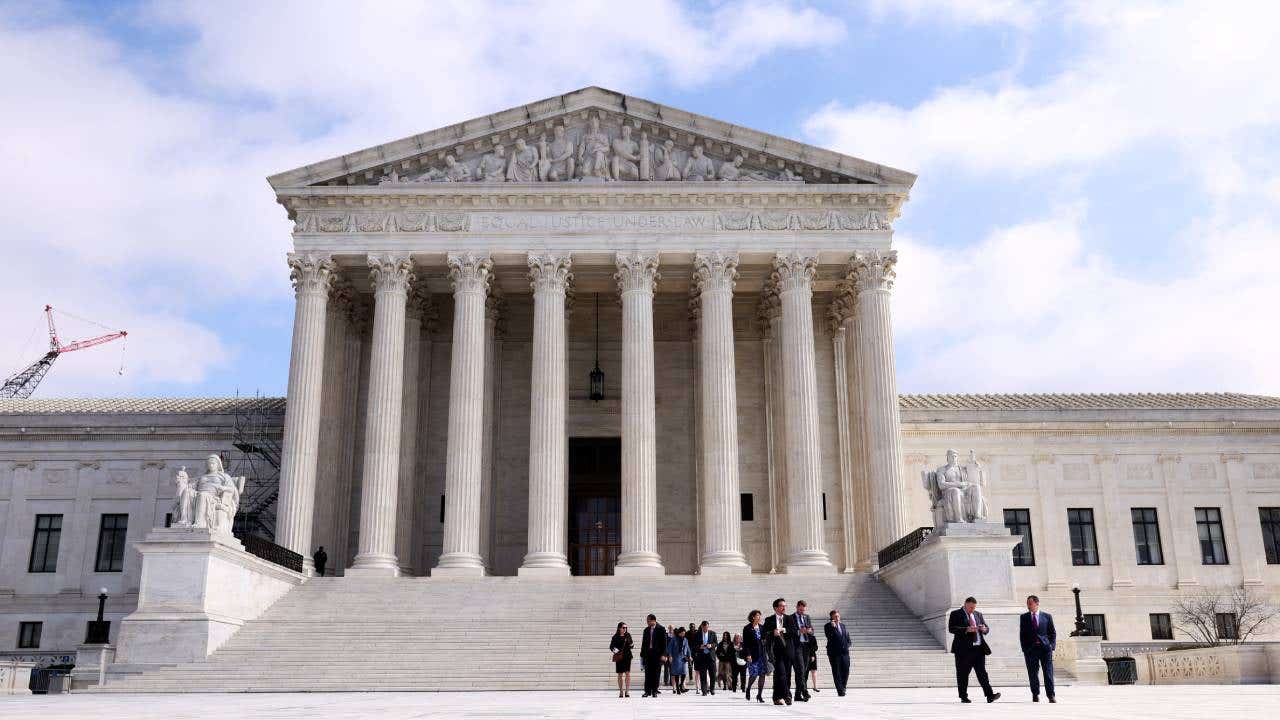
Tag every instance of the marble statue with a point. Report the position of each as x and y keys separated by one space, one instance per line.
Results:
x=391 y=178
x=733 y=171
x=523 y=166
x=455 y=171
x=217 y=497
x=184 y=499
x=557 y=160
x=593 y=153
x=646 y=157
x=493 y=166
x=625 y=164
x=699 y=166
x=789 y=176
x=665 y=159
x=955 y=491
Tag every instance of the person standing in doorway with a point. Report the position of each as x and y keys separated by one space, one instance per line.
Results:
x=837 y=651
x=1038 y=638
x=653 y=653
x=320 y=558
x=969 y=645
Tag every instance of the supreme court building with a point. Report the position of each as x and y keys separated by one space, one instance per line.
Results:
x=594 y=335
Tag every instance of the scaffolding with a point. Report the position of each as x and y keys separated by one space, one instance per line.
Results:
x=257 y=434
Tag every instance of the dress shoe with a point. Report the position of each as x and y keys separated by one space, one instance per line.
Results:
x=1053 y=699
x=1035 y=698
x=993 y=697
x=839 y=694
x=965 y=700
x=788 y=700
x=779 y=702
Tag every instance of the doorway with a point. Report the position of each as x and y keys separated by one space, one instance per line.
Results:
x=595 y=504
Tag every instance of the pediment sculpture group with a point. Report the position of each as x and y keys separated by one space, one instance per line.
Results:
x=595 y=157
x=955 y=490
x=211 y=501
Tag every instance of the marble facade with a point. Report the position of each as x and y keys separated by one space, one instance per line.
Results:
x=445 y=324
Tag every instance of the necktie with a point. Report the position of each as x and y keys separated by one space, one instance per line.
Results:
x=1035 y=620
x=973 y=623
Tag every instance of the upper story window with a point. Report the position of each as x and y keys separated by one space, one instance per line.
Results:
x=111 y=543
x=1018 y=520
x=1270 y=517
x=1146 y=536
x=44 y=544
x=1084 y=538
x=1213 y=544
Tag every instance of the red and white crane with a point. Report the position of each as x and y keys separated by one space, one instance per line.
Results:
x=22 y=383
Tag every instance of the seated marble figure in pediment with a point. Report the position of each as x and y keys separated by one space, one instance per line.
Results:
x=594 y=150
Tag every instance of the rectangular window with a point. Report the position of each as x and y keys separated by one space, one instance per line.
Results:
x=44 y=546
x=1213 y=546
x=824 y=507
x=441 y=509
x=748 y=507
x=111 y=534
x=1161 y=626
x=1227 y=626
x=1270 y=517
x=1018 y=520
x=1084 y=539
x=1097 y=625
x=29 y=635
x=1146 y=536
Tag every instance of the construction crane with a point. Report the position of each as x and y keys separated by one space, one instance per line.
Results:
x=22 y=383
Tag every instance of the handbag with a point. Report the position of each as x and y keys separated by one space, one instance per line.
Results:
x=740 y=661
x=617 y=657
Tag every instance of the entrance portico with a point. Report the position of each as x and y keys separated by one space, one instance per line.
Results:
x=733 y=304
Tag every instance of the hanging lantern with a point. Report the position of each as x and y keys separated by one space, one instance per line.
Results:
x=597 y=375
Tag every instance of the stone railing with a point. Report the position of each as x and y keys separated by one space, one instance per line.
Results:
x=903 y=546
x=1247 y=664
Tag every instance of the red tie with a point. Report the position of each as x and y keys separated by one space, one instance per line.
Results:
x=1035 y=620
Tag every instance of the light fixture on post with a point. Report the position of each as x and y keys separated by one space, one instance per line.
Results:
x=1082 y=628
x=597 y=375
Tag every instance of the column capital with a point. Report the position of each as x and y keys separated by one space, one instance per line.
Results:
x=469 y=272
x=840 y=312
x=419 y=305
x=794 y=271
x=550 y=272
x=390 y=272
x=310 y=273
x=873 y=270
x=769 y=310
x=715 y=270
x=695 y=312
x=341 y=293
x=637 y=272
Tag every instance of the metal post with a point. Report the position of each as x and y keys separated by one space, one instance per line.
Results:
x=1081 y=630
x=102 y=603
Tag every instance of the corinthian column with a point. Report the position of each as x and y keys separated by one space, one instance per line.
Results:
x=470 y=274
x=872 y=273
x=793 y=274
x=391 y=275
x=418 y=301
x=548 y=444
x=311 y=276
x=714 y=275
x=637 y=276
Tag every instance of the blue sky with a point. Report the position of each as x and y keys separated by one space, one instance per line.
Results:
x=1096 y=209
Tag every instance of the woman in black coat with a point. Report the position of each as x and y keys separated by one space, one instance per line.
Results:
x=620 y=645
x=753 y=649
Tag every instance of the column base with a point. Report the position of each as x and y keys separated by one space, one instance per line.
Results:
x=375 y=565
x=808 y=562
x=459 y=565
x=543 y=571
x=724 y=562
x=639 y=565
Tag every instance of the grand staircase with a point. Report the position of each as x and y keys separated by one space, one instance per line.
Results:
x=344 y=634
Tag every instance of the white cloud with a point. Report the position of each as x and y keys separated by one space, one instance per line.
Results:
x=134 y=185
x=1028 y=309
x=1018 y=13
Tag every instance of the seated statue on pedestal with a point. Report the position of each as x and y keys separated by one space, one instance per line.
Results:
x=212 y=503
x=955 y=491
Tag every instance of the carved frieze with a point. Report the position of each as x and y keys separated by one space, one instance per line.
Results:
x=328 y=222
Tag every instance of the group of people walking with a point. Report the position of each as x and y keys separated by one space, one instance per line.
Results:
x=784 y=646
x=1036 y=635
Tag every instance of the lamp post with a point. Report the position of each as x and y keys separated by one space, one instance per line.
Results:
x=597 y=375
x=99 y=631
x=1081 y=630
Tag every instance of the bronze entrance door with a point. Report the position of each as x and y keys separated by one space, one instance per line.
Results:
x=595 y=505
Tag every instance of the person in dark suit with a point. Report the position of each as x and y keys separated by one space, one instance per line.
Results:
x=1038 y=637
x=321 y=559
x=703 y=645
x=806 y=648
x=620 y=645
x=653 y=653
x=837 y=651
x=781 y=632
x=969 y=645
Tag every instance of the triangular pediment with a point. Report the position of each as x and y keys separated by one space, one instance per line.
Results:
x=591 y=135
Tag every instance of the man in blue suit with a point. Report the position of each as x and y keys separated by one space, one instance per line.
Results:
x=1038 y=638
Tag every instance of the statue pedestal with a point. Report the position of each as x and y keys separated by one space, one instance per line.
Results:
x=198 y=588
x=957 y=561
x=92 y=660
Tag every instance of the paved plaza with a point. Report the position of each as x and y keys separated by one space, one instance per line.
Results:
x=1102 y=703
